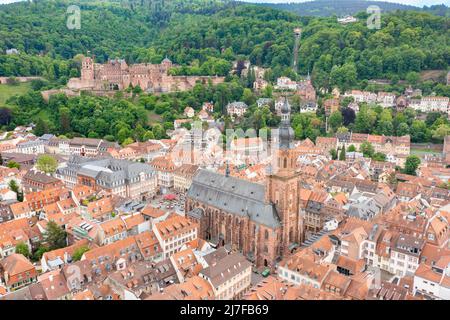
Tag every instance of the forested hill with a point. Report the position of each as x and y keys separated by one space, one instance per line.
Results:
x=325 y=8
x=205 y=36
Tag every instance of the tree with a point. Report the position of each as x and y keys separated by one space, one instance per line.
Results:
x=402 y=129
x=342 y=130
x=13 y=186
x=22 y=248
x=348 y=115
x=379 y=156
x=39 y=252
x=41 y=127
x=47 y=163
x=441 y=132
x=54 y=236
x=333 y=154
x=127 y=141
x=336 y=120
x=411 y=165
x=367 y=149
x=5 y=116
x=78 y=253
x=412 y=78
x=351 y=148
x=64 y=120
x=13 y=164
x=342 y=154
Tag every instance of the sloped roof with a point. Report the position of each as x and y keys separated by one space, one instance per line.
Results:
x=237 y=196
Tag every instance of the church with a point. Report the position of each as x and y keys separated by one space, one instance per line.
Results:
x=261 y=221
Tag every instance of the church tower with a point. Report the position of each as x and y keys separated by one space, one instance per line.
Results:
x=282 y=185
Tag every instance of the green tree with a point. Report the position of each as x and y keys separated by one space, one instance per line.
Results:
x=441 y=132
x=78 y=253
x=13 y=164
x=22 y=248
x=351 y=148
x=411 y=165
x=342 y=154
x=367 y=149
x=335 y=120
x=47 y=163
x=54 y=236
x=333 y=154
x=379 y=156
x=37 y=255
x=13 y=186
x=41 y=127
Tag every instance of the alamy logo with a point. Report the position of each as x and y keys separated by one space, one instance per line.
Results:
x=74 y=18
x=374 y=20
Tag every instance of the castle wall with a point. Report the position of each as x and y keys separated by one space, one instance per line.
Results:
x=118 y=75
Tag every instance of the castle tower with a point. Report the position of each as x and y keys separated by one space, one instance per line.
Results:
x=297 y=35
x=87 y=68
x=282 y=185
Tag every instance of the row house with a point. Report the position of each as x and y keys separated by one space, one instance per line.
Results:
x=174 y=232
x=31 y=147
x=194 y=288
x=362 y=96
x=300 y=270
x=393 y=252
x=433 y=103
x=89 y=147
x=433 y=281
x=236 y=109
x=228 y=274
x=118 y=177
x=34 y=181
x=285 y=83
x=39 y=199
x=164 y=168
x=386 y=99
x=182 y=177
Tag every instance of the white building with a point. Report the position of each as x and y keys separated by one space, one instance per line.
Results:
x=236 y=108
x=285 y=83
x=433 y=281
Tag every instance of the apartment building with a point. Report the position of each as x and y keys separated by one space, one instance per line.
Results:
x=174 y=232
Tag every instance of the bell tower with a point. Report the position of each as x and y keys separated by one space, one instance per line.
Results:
x=282 y=183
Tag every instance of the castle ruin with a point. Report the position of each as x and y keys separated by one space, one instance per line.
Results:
x=118 y=75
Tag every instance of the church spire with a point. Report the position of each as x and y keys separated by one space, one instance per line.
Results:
x=286 y=133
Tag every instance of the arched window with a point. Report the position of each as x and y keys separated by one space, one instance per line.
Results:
x=266 y=235
x=285 y=163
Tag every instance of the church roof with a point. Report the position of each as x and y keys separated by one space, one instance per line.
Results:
x=237 y=196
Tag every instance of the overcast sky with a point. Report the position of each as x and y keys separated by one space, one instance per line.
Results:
x=419 y=3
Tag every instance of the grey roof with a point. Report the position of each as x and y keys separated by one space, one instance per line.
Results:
x=106 y=171
x=226 y=268
x=46 y=137
x=196 y=213
x=237 y=196
x=238 y=104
